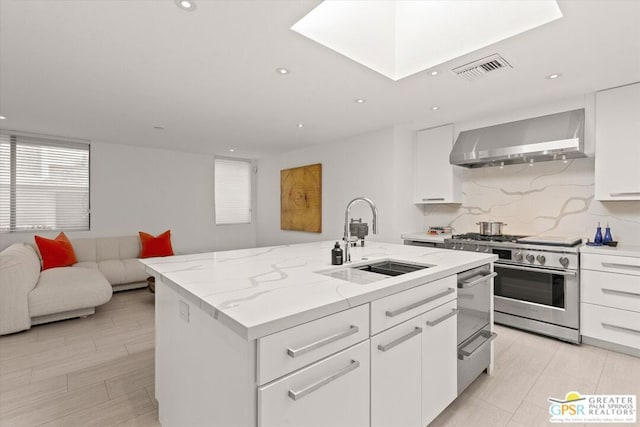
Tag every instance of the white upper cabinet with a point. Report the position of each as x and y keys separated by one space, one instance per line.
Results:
x=435 y=179
x=617 y=172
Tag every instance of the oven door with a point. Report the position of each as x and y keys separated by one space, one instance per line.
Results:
x=538 y=293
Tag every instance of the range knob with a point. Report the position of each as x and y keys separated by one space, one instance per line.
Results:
x=541 y=259
x=461 y=247
x=517 y=256
x=486 y=249
x=530 y=257
x=454 y=247
x=564 y=261
x=478 y=248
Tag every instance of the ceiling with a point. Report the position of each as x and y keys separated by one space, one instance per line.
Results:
x=113 y=70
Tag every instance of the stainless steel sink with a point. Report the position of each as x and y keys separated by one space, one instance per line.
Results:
x=369 y=273
x=391 y=268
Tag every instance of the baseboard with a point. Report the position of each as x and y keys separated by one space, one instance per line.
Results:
x=129 y=286
x=611 y=346
x=62 y=316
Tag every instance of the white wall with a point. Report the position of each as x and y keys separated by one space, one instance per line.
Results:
x=375 y=165
x=142 y=189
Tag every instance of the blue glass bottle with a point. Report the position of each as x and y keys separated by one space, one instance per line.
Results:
x=607 y=235
x=598 y=238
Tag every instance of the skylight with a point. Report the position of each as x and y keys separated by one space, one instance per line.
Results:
x=402 y=37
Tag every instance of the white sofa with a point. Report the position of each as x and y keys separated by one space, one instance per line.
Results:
x=29 y=296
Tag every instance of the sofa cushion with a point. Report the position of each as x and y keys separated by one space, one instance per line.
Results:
x=155 y=246
x=115 y=257
x=106 y=248
x=85 y=249
x=20 y=263
x=134 y=271
x=56 y=252
x=68 y=288
x=19 y=272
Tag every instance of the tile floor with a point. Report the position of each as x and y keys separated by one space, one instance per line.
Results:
x=99 y=371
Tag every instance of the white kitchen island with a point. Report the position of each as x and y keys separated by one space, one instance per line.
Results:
x=274 y=337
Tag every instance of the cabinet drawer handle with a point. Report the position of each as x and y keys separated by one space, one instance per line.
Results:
x=629 y=193
x=389 y=346
x=617 y=292
x=620 y=328
x=443 y=318
x=324 y=341
x=394 y=313
x=488 y=337
x=617 y=265
x=295 y=395
x=430 y=199
x=469 y=283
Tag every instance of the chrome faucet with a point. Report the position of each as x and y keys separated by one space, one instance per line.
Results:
x=347 y=229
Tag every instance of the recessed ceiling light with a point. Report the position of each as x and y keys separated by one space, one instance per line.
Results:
x=434 y=108
x=158 y=128
x=186 y=4
x=359 y=101
x=282 y=70
x=434 y=73
x=3 y=118
x=231 y=150
x=553 y=76
x=300 y=125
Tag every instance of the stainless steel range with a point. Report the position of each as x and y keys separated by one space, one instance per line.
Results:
x=537 y=287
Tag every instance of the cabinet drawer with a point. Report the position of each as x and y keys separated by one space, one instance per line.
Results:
x=611 y=290
x=396 y=308
x=611 y=324
x=611 y=263
x=293 y=348
x=333 y=392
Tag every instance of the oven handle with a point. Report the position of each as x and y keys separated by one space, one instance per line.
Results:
x=471 y=283
x=537 y=270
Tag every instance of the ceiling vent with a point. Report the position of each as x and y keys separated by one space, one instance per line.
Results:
x=479 y=68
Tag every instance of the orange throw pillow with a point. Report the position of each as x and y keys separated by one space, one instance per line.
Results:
x=56 y=252
x=155 y=246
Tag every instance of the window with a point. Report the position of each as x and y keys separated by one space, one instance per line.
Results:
x=44 y=184
x=232 y=191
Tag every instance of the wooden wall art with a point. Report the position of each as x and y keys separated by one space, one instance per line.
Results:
x=301 y=198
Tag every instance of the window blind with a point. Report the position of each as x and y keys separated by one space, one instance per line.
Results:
x=232 y=191
x=44 y=184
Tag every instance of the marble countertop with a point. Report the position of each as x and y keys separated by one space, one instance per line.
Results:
x=259 y=291
x=424 y=237
x=620 y=250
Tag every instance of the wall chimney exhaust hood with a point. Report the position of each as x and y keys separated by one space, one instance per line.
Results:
x=554 y=137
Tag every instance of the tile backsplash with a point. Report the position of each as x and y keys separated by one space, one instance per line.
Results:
x=548 y=198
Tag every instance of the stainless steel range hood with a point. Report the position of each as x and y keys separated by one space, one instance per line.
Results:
x=553 y=137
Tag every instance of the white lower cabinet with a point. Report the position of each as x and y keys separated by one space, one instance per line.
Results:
x=333 y=392
x=396 y=366
x=610 y=301
x=439 y=360
x=414 y=369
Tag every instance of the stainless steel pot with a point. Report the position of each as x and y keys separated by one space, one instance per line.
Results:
x=489 y=228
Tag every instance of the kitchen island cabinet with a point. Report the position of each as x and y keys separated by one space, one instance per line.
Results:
x=264 y=337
